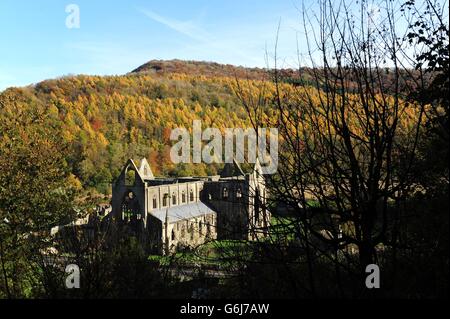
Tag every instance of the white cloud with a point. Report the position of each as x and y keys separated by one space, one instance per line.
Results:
x=187 y=28
x=232 y=47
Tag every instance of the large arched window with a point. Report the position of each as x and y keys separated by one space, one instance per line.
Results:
x=183 y=197
x=191 y=195
x=130 y=206
x=130 y=177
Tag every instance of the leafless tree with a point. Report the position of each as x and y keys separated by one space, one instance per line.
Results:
x=348 y=133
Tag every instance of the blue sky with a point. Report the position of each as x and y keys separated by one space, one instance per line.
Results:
x=117 y=36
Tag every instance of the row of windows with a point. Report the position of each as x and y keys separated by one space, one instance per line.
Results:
x=174 y=197
x=226 y=193
x=190 y=229
x=186 y=223
x=165 y=201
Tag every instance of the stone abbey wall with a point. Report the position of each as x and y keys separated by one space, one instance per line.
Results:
x=186 y=212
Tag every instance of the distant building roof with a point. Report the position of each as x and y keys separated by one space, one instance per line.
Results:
x=159 y=181
x=177 y=213
x=171 y=181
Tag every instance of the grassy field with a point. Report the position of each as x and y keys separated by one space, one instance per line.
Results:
x=220 y=253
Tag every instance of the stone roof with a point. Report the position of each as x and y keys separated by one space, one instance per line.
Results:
x=182 y=212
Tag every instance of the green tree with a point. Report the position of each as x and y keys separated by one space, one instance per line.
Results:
x=35 y=192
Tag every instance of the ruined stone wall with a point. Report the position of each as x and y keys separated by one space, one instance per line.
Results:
x=259 y=215
x=174 y=194
x=121 y=188
x=239 y=203
x=190 y=233
x=230 y=200
x=155 y=235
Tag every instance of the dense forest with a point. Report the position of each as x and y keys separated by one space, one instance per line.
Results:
x=106 y=120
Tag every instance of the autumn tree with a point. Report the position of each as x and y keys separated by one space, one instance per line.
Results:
x=36 y=190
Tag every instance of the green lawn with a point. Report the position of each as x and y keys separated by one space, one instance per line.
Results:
x=220 y=253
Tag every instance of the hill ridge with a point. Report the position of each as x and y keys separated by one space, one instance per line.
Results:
x=205 y=68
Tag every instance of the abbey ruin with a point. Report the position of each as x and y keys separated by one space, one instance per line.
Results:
x=170 y=213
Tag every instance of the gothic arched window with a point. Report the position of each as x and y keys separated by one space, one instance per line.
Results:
x=165 y=198
x=191 y=231
x=130 y=177
x=174 y=198
x=155 y=202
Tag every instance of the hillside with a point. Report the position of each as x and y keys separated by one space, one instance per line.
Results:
x=208 y=69
x=213 y=69
x=105 y=120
